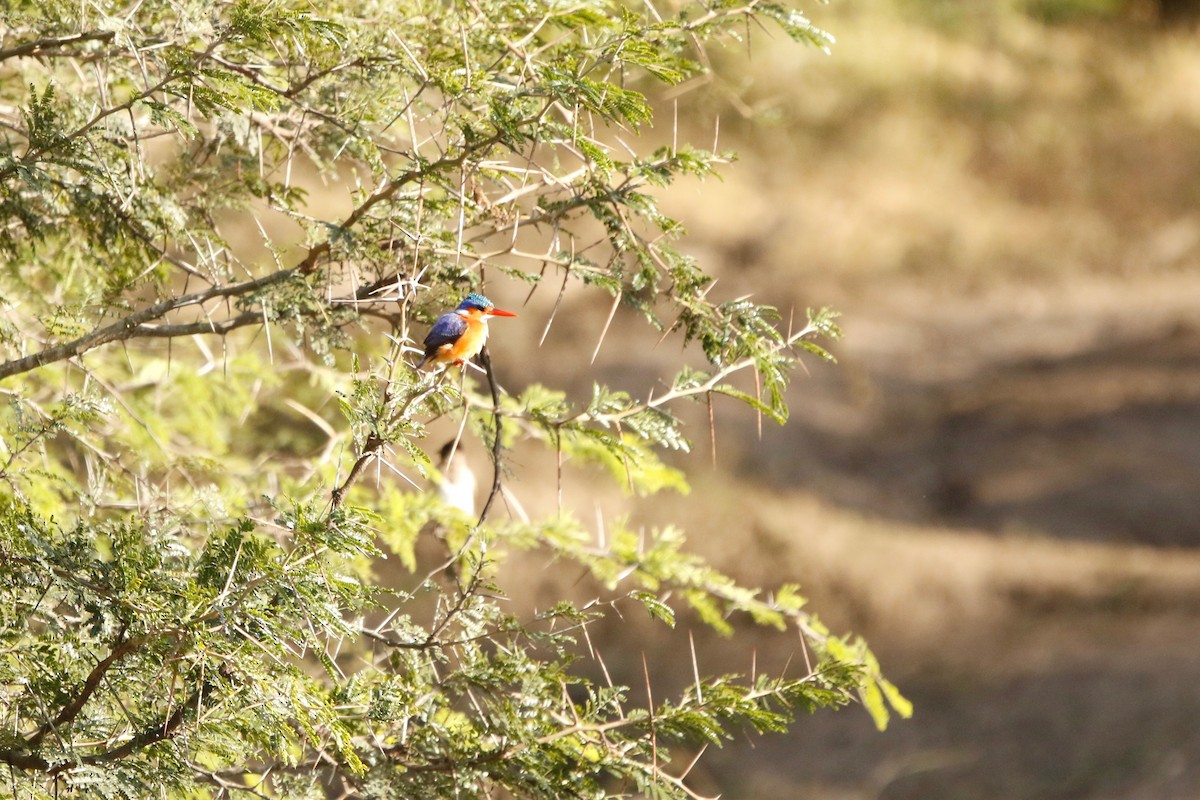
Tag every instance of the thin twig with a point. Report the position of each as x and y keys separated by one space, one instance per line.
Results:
x=497 y=444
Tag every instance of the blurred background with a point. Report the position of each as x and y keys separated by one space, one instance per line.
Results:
x=999 y=484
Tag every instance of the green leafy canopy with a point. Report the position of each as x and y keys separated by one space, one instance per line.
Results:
x=223 y=228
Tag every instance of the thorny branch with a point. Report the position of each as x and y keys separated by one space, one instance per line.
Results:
x=28 y=757
x=376 y=440
x=70 y=711
x=712 y=384
x=134 y=325
x=497 y=442
x=41 y=46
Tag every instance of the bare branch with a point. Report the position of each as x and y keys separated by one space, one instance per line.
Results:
x=497 y=444
x=40 y=46
x=70 y=711
x=133 y=324
x=703 y=388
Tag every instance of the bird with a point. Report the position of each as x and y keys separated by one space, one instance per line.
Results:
x=459 y=335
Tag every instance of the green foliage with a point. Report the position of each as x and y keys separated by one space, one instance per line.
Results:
x=212 y=440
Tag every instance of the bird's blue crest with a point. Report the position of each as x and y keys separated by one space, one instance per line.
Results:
x=476 y=300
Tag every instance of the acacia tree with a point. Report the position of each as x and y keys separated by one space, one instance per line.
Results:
x=187 y=542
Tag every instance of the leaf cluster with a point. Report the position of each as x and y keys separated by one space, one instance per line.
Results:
x=211 y=446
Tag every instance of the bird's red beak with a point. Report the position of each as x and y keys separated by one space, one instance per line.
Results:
x=496 y=312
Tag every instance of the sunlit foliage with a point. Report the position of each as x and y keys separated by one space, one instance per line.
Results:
x=187 y=546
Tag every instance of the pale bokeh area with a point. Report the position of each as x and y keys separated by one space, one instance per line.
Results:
x=999 y=484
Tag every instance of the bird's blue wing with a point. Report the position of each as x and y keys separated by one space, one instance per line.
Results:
x=446 y=330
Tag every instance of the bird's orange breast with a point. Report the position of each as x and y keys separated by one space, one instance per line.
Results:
x=468 y=345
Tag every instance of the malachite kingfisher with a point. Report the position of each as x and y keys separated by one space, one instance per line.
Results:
x=458 y=336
